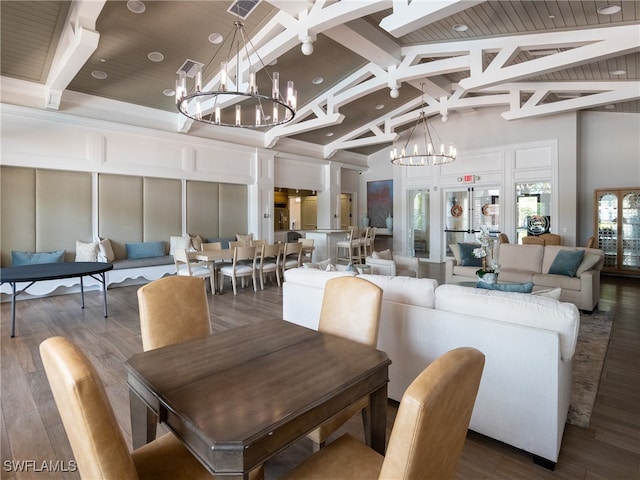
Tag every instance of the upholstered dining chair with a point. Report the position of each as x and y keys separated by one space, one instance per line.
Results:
x=591 y=242
x=97 y=442
x=350 y=309
x=172 y=310
x=269 y=262
x=242 y=266
x=532 y=240
x=503 y=238
x=291 y=256
x=428 y=434
x=188 y=266
x=551 y=239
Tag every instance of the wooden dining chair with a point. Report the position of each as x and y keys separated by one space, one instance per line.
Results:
x=350 y=309
x=349 y=250
x=172 y=310
x=97 y=442
x=291 y=256
x=269 y=262
x=187 y=265
x=591 y=242
x=428 y=433
x=242 y=266
x=307 y=249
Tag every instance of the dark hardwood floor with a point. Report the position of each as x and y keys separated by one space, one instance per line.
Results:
x=32 y=432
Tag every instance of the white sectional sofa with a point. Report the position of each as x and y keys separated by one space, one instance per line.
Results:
x=528 y=342
x=531 y=263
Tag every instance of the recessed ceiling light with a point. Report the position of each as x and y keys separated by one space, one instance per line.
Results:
x=266 y=119
x=155 y=57
x=102 y=60
x=609 y=9
x=216 y=38
x=168 y=92
x=329 y=134
x=136 y=6
x=317 y=80
x=275 y=62
x=460 y=27
x=618 y=72
x=98 y=74
x=552 y=16
x=379 y=106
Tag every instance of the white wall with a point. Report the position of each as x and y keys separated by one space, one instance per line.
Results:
x=609 y=157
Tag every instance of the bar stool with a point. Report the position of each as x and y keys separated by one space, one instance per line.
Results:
x=349 y=250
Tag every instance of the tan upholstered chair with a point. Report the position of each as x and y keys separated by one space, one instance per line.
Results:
x=428 y=433
x=532 y=240
x=269 y=262
x=243 y=265
x=172 y=310
x=189 y=266
x=97 y=442
x=591 y=242
x=350 y=309
x=551 y=239
x=503 y=238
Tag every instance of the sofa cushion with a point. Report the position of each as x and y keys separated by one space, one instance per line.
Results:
x=408 y=290
x=518 y=276
x=311 y=276
x=87 y=251
x=144 y=249
x=589 y=261
x=507 y=287
x=29 y=258
x=467 y=258
x=520 y=257
x=566 y=262
x=105 y=253
x=518 y=308
x=549 y=293
x=383 y=255
x=182 y=242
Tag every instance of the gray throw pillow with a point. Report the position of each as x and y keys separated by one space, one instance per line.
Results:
x=566 y=262
x=467 y=258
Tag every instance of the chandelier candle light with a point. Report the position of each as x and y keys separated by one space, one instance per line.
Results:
x=432 y=156
x=226 y=106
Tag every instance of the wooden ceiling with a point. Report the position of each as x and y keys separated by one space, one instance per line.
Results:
x=553 y=56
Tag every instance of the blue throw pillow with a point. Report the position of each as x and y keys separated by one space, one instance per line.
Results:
x=467 y=258
x=30 y=258
x=145 y=249
x=567 y=262
x=507 y=287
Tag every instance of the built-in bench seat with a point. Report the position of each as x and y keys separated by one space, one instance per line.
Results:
x=151 y=268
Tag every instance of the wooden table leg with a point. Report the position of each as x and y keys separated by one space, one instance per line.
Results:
x=378 y=420
x=143 y=421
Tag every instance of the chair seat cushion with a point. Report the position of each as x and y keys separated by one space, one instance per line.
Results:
x=195 y=271
x=344 y=458
x=240 y=269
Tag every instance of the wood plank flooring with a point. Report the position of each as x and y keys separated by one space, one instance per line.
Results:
x=31 y=428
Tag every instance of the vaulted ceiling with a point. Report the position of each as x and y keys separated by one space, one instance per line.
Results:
x=530 y=58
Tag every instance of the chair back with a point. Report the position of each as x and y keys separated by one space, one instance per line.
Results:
x=97 y=442
x=532 y=240
x=431 y=425
x=243 y=253
x=173 y=309
x=591 y=242
x=211 y=246
x=292 y=255
x=270 y=253
x=503 y=238
x=351 y=309
x=257 y=243
x=551 y=239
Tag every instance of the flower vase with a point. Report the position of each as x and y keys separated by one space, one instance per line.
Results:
x=389 y=222
x=365 y=222
x=488 y=277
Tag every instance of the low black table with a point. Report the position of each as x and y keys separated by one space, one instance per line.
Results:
x=52 y=271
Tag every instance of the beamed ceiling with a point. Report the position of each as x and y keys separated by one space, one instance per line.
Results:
x=530 y=58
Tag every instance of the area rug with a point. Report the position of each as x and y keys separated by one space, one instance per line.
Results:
x=591 y=348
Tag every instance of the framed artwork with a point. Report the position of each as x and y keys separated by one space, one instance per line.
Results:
x=379 y=202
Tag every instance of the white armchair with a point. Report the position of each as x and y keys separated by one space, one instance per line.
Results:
x=398 y=265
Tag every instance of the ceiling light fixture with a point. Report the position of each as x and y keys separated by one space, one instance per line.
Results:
x=608 y=9
x=226 y=104
x=460 y=27
x=433 y=156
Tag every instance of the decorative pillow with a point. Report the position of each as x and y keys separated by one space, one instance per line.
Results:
x=30 y=258
x=244 y=240
x=181 y=242
x=323 y=265
x=467 y=258
x=331 y=268
x=383 y=255
x=588 y=262
x=87 y=252
x=549 y=293
x=196 y=243
x=351 y=268
x=507 y=287
x=566 y=262
x=105 y=253
x=455 y=249
x=145 y=249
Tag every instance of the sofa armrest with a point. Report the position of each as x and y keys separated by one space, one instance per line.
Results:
x=380 y=266
x=448 y=270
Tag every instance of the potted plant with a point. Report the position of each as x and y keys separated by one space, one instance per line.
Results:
x=490 y=268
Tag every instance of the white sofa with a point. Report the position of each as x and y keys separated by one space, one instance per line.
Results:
x=531 y=263
x=398 y=265
x=528 y=342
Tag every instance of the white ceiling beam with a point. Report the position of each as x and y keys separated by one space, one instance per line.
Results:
x=78 y=40
x=408 y=15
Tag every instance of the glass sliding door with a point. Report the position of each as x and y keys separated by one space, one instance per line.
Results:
x=418 y=222
x=466 y=210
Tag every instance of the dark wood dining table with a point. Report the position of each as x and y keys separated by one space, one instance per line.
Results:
x=239 y=397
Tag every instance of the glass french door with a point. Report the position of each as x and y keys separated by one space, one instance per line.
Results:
x=533 y=209
x=418 y=222
x=618 y=228
x=467 y=210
